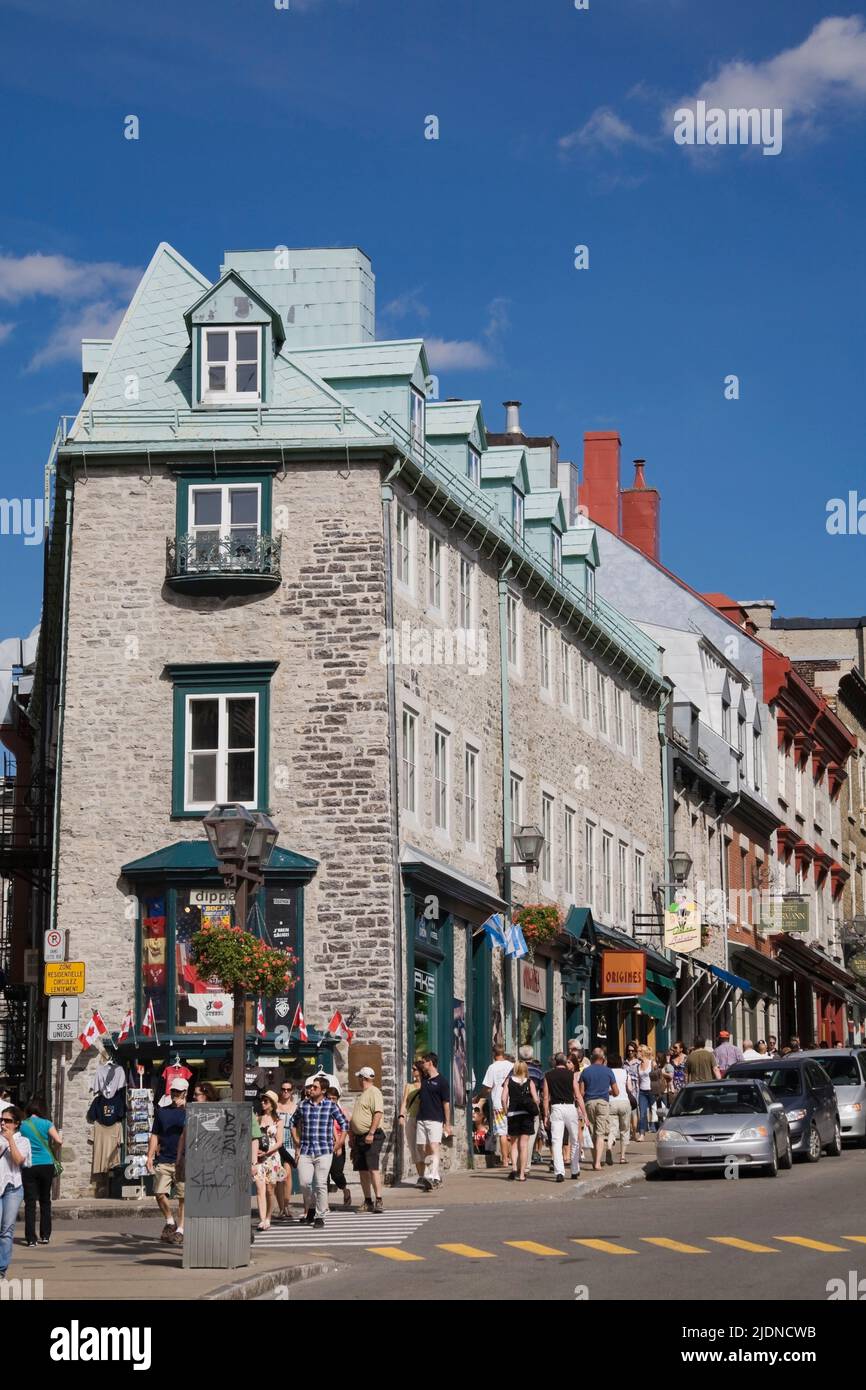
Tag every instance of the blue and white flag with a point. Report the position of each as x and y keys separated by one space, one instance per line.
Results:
x=515 y=942
x=495 y=929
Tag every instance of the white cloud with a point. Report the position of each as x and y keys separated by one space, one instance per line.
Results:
x=405 y=305
x=91 y=295
x=827 y=69
x=456 y=352
x=604 y=130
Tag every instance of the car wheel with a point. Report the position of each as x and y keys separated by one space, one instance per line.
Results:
x=834 y=1148
x=814 y=1151
x=786 y=1160
x=772 y=1169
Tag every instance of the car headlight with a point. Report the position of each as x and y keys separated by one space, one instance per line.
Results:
x=796 y=1114
x=852 y=1109
x=752 y=1132
x=672 y=1136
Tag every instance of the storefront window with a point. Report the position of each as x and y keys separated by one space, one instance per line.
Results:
x=425 y=1008
x=154 y=956
x=201 y=1006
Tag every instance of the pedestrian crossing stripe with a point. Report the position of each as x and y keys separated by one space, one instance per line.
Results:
x=391 y=1252
x=469 y=1252
x=533 y=1248
x=347 y=1228
x=813 y=1244
x=750 y=1245
x=860 y=1239
x=607 y=1247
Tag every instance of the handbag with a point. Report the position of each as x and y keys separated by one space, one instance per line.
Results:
x=58 y=1166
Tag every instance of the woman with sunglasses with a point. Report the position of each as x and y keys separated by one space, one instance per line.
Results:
x=14 y=1158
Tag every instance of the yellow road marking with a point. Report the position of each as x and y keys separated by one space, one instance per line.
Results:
x=391 y=1253
x=534 y=1248
x=813 y=1244
x=677 y=1245
x=861 y=1239
x=469 y=1251
x=744 y=1245
x=607 y=1247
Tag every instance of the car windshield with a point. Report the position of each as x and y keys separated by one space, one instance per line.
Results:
x=843 y=1071
x=782 y=1081
x=719 y=1100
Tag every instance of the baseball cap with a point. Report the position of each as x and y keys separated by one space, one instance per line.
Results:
x=178 y=1084
x=366 y=1071
x=724 y=1033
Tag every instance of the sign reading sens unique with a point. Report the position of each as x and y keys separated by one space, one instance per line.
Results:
x=623 y=972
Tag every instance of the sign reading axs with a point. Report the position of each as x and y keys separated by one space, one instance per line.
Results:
x=623 y=972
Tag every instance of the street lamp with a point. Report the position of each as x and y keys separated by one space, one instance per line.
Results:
x=242 y=842
x=681 y=865
x=528 y=842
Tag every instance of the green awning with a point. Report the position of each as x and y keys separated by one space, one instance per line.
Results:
x=195 y=858
x=652 y=1005
x=660 y=981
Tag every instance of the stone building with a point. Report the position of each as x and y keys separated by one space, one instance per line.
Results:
x=279 y=575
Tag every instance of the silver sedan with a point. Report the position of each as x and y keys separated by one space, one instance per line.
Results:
x=725 y=1125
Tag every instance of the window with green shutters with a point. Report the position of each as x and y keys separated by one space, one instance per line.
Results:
x=220 y=735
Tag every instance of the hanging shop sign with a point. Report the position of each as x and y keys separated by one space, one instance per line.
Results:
x=623 y=972
x=857 y=965
x=533 y=985
x=792 y=915
x=682 y=925
x=211 y=897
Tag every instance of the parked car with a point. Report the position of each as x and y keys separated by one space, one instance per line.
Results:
x=846 y=1068
x=806 y=1091
x=710 y=1123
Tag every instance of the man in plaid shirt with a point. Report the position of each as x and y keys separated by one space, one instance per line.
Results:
x=313 y=1127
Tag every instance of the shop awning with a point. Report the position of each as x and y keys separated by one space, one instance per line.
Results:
x=195 y=858
x=651 y=1004
x=416 y=863
x=735 y=981
x=654 y=959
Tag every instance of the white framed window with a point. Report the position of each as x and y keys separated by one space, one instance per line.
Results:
x=230 y=365
x=224 y=519
x=517 y=512
x=565 y=672
x=780 y=772
x=622 y=882
x=435 y=599
x=585 y=691
x=222 y=752
x=589 y=861
x=473 y=466
x=619 y=717
x=409 y=762
x=545 y=635
x=441 y=772
x=602 y=721
x=515 y=783
x=568 y=850
x=639 y=880
x=741 y=743
x=547 y=829
x=464 y=596
x=470 y=796
x=405 y=548
x=798 y=786
x=862 y=768
x=758 y=757
x=418 y=420
x=556 y=553
x=589 y=589
x=634 y=714
x=606 y=873
x=512 y=617
x=726 y=721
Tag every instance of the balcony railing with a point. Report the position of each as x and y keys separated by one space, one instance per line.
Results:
x=222 y=565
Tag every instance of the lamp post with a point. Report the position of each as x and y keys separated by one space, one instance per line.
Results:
x=242 y=842
x=528 y=842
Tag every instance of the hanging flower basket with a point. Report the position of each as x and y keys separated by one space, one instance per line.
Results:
x=241 y=962
x=539 y=922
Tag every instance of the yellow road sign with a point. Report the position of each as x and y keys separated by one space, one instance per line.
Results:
x=64 y=977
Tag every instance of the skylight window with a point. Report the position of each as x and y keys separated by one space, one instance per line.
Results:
x=230 y=368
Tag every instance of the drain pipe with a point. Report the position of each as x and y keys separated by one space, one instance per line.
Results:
x=400 y=1073
x=509 y=965
x=666 y=755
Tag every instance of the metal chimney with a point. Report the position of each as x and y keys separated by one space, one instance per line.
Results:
x=512 y=417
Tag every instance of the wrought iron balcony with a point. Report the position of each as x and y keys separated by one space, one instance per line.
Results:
x=240 y=564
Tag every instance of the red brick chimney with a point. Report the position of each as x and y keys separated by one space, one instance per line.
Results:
x=599 y=489
x=640 y=513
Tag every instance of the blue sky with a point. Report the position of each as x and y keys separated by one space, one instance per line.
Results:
x=261 y=127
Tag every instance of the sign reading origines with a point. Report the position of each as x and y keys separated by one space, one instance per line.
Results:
x=64 y=1018
x=64 y=977
x=623 y=972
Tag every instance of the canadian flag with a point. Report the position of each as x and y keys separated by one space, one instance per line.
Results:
x=260 y=1019
x=93 y=1031
x=125 y=1027
x=298 y=1022
x=148 y=1023
x=339 y=1028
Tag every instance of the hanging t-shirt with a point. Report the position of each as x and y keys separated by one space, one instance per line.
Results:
x=171 y=1073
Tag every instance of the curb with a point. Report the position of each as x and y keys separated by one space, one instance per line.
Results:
x=257 y=1284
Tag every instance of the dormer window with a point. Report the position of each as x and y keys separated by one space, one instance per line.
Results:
x=473 y=466
x=417 y=423
x=230 y=365
x=517 y=510
x=556 y=555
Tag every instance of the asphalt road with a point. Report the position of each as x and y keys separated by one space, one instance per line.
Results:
x=749 y=1238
